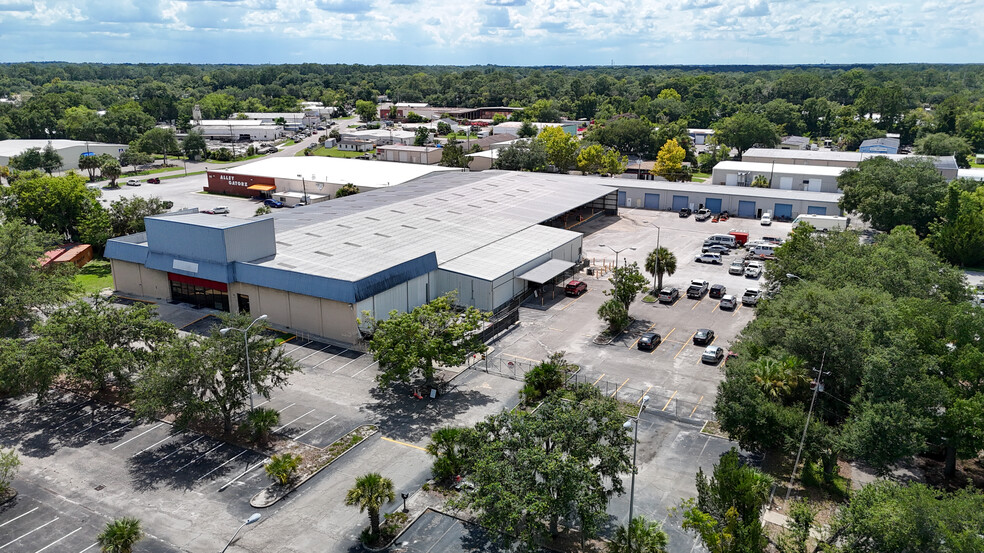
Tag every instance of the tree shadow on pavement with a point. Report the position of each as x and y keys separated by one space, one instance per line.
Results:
x=405 y=417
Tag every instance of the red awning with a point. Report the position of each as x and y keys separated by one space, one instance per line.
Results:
x=262 y=187
x=195 y=281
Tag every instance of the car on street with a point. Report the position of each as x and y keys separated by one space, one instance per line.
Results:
x=754 y=270
x=729 y=302
x=713 y=258
x=270 y=202
x=715 y=248
x=685 y=212
x=737 y=267
x=702 y=214
x=133 y=182
x=649 y=341
x=697 y=289
x=575 y=288
x=669 y=295
x=217 y=210
x=712 y=355
x=717 y=291
x=750 y=297
x=703 y=336
x=154 y=180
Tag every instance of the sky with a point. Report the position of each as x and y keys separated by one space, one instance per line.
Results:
x=499 y=32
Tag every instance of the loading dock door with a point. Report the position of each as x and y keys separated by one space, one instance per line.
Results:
x=746 y=209
x=652 y=201
x=714 y=204
x=731 y=179
x=783 y=210
x=785 y=183
x=814 y=185
x=816 y=210
x=622 y=201
x=680 y=202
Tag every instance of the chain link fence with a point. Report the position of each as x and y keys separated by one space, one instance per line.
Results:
x=509 y=367
x=665 y=401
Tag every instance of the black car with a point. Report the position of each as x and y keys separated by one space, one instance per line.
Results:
x=686 y=212
x=649 y=341
x=718 y=291
x=703 y=336
x=669 y=295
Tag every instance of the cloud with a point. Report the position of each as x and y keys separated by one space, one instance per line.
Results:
x=699 y=4
x=755 y=8
x=497 y=18
x=513 y=3
x=16 y=6
x=344 y=6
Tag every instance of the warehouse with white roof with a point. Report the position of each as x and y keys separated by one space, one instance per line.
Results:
x=491 y=236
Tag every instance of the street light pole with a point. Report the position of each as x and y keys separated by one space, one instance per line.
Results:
x=635 y=450
x=249 y=375
x=617 y=252
x=252 y=518
x=304 y=187
x=816 y=388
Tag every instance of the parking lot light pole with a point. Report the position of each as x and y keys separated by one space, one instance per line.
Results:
x=635 y=449
x=252 y=518
x=791 y=276
x=249 y=375
x=616 y=251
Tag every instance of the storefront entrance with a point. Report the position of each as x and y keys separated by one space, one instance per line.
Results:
x=199 y=292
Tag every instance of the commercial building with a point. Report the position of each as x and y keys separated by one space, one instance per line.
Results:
x=291 y=179
x=491 y=236
x=880 y=146
x=794 y=143
x=380 y=136
x=238 y=129
x=512 y=127
x=424 y=155
x=946 y=165
x=69 y=150
x=779 y=175
x=739 y=201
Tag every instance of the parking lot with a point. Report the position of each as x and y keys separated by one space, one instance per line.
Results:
x=672 y=374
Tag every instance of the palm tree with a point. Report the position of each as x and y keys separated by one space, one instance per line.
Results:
x=647 y=537
x=659 y=262
x=261 y=420
x=120 y=535
x=779 y=378
x=369 y=493
x=446 y=447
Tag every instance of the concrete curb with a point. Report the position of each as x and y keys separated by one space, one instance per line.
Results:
x=275 y=492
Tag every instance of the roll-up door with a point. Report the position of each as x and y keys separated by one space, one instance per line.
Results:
x=714 y=204
x=746 y=209
x=652 y=201
x=680 y=202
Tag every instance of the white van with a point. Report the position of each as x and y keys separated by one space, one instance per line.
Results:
x=766 y=219
x=763 y=249
x=723 y=239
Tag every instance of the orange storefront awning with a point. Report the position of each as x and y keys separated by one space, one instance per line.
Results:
x=262 y=187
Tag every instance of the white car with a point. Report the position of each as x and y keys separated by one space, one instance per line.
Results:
x=754 y=270
x=709 y=258
x=728 y=302
x=766 y=219
x=133 y=182
x=737 y=267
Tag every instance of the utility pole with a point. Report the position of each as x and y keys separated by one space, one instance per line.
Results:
x=809 y=416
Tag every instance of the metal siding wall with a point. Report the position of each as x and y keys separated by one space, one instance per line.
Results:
x=394 y=298
x=483 y=294
x=251 y=241
x=816 y=210
x=417 y=291
x=185 y=241
x=504 y=292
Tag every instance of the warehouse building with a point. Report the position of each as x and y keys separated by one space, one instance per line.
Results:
x=779 y=175
x=236 y=130
x=69 y=150
x=946 y=165
x=491 y=236
x=740 y=201
x=292 y=179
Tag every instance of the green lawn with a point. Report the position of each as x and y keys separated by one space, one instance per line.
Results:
x=700 y=177
x=461 y=137
x=148 y=171
x=95 y=276
x=334 y=152
x=183 y=175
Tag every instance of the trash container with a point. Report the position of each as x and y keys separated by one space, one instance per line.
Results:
x=590 y=271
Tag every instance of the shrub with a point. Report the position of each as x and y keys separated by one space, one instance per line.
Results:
x=8 y=468
x=260 y=421
x=546 y=377
x=282 y=468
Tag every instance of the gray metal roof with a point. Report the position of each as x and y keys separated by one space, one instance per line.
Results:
x=701 y=190
x=941 y=162
x=506 y=255
x=546 y=271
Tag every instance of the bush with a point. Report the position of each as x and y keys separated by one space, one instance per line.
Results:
x=8 y=468
x=282 y=468
x=546 y=377
x=222 y=154
x=260 y=421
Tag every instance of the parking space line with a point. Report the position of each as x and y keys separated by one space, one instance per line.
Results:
x=135 y=437
x=306 y=342
x=179 y=449
x=90 y=547
x=570 y=303
x=245 y=472
x=364 y=368
x=29 y=533
x=312 y=353
x=685 y=344
x=640 y=337
x=87 y=428
x=241 y=453
x=619 y=388
x=282 y=409
x=306 y=432
x=19 y=403
x=293 y=421
x=403 y=443
x=346 y=364
x=696 y=406
x=177 y=470
x=156 y=444
x=70 y=406
x=735 y=312
x=599 y=379
x=114 y=431
x=18 y=516
x=644 y=394
x=329 y=359
x=696 y=304
x=73 y=420
x=58 y=540
x=663 y=340
x=715 y=307
x=669 y=400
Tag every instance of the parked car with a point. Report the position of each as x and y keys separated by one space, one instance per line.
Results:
x=697 y=289
x=773 y=239
x=714 y=258
x=686 y=212
x=750 y=297
x=154 y=180
x=669 y=295
x=715 y=248
x=737 y=267
x=712 y=355
x=728 y=302
x=649 y=341
x=133 y=182
x=703 y=336
x=270 y=202
x=754 y=270
x=702 y=214
x=575 y=288
x=717 y=291
x=217 y=210
x=766 y=219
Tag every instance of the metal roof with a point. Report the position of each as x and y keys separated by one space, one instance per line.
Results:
x=506 y=255
x=785 y=168
x=941 y=162
x=362 y=173
x=715 y=190
x=17 y=146
x=546 y=271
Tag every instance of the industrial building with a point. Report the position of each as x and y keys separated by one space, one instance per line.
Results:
x=291 y=120
x=424 y=155
x=69 y=150
x=783 y=176
x=740 y=201
x=946 y=165
x=491 y=236
x=238 y=129
x=309 y=179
